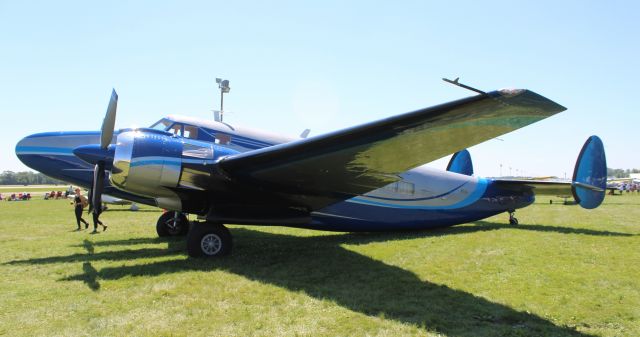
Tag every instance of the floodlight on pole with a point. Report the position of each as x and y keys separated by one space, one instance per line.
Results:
x=223 y=85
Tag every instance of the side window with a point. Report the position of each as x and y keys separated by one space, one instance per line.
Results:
x=176 y=129
x=190 y=131
x=223 y=139
x=402 y=187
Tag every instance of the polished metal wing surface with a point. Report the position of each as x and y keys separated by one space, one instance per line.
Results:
x=327 y=168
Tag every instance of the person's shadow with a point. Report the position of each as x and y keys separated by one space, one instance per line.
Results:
x=321 y=267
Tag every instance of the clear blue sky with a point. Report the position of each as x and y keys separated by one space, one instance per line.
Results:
x=324 y=66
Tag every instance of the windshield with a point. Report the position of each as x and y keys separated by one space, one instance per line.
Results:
x=162 y=124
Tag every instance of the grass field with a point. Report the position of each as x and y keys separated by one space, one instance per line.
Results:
x=564 y=271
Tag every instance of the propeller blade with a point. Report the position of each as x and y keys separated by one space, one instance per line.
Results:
x=109 y=121
x=98 y=187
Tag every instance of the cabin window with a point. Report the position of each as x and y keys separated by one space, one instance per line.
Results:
x=402 y=187
x=223 y=139
x=176 y=129
x=190 y=131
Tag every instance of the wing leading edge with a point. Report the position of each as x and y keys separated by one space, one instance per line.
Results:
x=321 y=170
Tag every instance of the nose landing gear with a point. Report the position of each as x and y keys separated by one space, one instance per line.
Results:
x=172 y=224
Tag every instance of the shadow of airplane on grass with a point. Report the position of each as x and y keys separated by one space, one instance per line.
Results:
x=320 y=267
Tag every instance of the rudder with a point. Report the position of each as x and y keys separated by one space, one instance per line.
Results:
x=461 y=163
x=590 y=174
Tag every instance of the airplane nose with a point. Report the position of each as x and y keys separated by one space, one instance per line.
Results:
x=21 y=149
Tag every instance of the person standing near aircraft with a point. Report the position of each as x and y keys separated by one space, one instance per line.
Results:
x=79 y=202
x=96 y=221
x=95 y=214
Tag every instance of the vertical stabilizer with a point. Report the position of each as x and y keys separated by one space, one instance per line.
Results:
x=461 y=163
x=590 y=175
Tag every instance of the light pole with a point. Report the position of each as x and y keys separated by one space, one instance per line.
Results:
x=223 y=85
x=501 y=170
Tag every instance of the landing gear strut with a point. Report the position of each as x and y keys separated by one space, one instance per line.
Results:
x=512 y=218
x=172 y=224
x=208 y=239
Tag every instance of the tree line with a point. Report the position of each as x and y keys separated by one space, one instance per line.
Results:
x=27 y=178
x=621 y=173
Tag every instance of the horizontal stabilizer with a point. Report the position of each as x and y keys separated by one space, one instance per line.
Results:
x=461 y=163
x=589 y=178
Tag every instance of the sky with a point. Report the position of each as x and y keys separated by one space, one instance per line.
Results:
x=325 y=66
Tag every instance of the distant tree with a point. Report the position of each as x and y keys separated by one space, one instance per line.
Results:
x=621 y=173
x=26 y=178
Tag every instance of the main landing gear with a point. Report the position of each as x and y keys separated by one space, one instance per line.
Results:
x=207 y=239
x=172 y=223
x=512 y=218
x=204 y=239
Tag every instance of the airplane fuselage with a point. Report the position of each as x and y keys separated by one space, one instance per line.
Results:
x=423 y=197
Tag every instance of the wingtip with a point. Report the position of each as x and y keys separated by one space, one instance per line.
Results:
x=527 y=97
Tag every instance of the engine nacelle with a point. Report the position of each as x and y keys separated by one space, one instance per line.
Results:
x=155 y=164
x=148 y=162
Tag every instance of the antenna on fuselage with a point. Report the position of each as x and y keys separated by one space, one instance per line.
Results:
x=223 y=85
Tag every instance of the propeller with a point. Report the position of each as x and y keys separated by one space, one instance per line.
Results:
x=106 y=135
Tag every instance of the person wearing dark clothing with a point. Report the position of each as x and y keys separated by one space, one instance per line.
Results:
x=78 y=205
x=96 y=222
x=95 y=212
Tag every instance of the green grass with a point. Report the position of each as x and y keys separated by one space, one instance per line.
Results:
x=564 y=271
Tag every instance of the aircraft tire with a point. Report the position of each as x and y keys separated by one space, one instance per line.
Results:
x=209 y=240
x=164 y=228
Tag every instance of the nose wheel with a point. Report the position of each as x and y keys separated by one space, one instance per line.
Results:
x=512 y=218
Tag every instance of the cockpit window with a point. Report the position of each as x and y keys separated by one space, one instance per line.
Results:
x=190 y=131
x=162 y=124
x=176 y=129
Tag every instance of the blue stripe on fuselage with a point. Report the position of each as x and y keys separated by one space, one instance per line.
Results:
x=402 y=203
x=487 y=200
x=21 y=150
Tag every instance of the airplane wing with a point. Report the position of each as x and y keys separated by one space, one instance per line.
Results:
x=317 y=171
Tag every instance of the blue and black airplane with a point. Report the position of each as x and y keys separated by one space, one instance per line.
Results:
x=370 y=177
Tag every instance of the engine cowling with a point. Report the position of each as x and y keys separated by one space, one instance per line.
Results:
x=148 y=162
